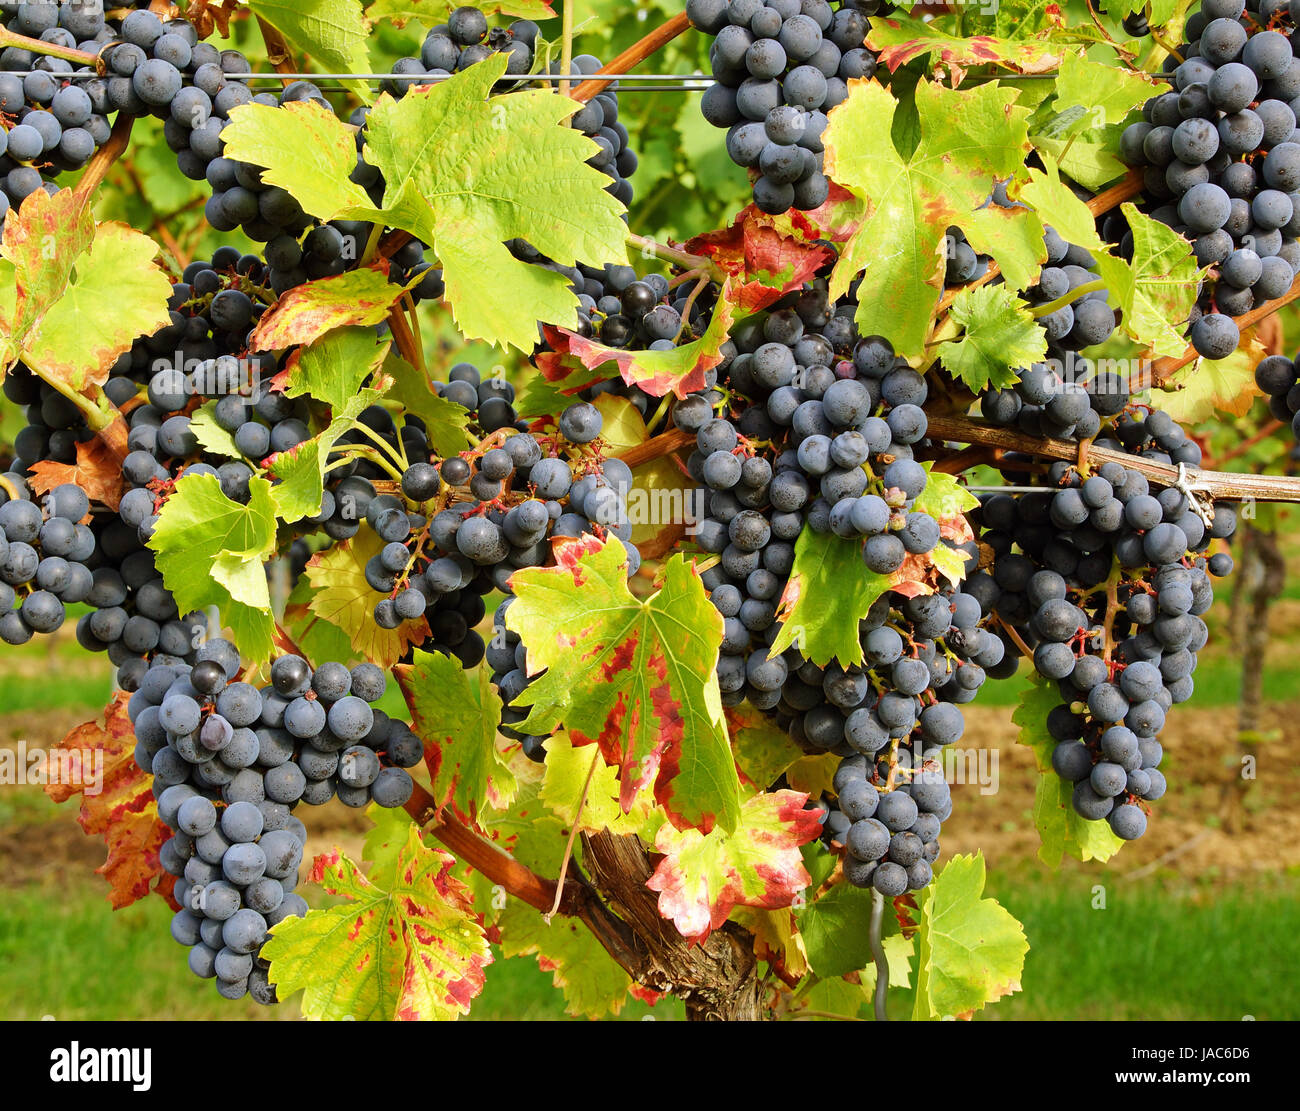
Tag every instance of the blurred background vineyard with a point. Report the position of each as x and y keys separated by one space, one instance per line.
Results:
x=1198 y=920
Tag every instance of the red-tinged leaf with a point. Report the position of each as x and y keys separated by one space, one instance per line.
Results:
x=899 y=39
x=98 y=469
x=96 y=761
x=703 y=876
x=635 y=677
x=307 y=312
x=455 y=713
x=680 y=371
x=414 y=951
x=766 y=262
x=648 y=996
x=763 y=749
x=837 y=220
x=43 y=240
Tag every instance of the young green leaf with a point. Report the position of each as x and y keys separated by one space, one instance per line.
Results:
x=567 y=768
x=211 y=552
x=445 y=423
x=333 y=32
x=703 y=876
x=634 y=677
x=999 y=337
x=970 y=950
x=413 y=950
x=333 y=368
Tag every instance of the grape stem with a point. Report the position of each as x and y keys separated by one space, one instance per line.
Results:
x=634 y=55
x=97 y=168
x=566 y=46
x=1215 y=484
x=666 y=443
x=651 y=249
x=402 y=337
x=40 y=46
x=880 y=999
x=1016 y=638
x=1075 y=294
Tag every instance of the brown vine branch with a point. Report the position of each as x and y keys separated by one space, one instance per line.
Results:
x=634 y=55
x=657 y=447
x=97 y=168
x=1215 y=484
x=277 y=51
x=1164 y=369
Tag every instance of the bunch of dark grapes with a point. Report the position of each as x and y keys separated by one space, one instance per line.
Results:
x=1277 y=376
x=779 y=66
x=1220 y=156
x=1107 y=580
x=229 y=763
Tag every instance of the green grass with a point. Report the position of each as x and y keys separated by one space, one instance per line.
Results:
x=65 y=952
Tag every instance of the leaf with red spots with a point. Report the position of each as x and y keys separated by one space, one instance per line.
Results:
x=96 y=761
x=703 y=876
x=455 y=713
x=98 y=469
x=764 y=261
x=680 y=371
x=307 y=312
x=763 y=749
x=968 y=141
x=899 y=40
x=414 y=951
x=634 y=677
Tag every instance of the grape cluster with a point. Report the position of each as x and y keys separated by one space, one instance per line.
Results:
x=230 y=762
x=43 y=557
x=1220 y=156
x=1277 y=376
x=1107 y=582
x=779 y=66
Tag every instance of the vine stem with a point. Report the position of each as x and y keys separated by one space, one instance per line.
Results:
x=566 y=45
x=573 y=832
x=1164 y=369
x=1214 y=484
x=39 y=46
x=634 y=55
x=97 y=168
x=1039 y=311
x=277 y=51
x=657 y=447
x=403 y=338
x=676 y=255
x=878 y=952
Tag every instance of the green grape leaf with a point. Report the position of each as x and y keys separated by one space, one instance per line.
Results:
x=1056 y=204
x=1060 y=828
x=680 y=371
x=998 y=336
x=1210 y=386
x=344 y=598
x=836 y=930
x=430 y=12
x=211 y=552
x=481 y=170
x=413 y=950
x=82 y=292
x=703 y=876
x=446 y=423
x=829 y=591
x=943 y=497
x=333 y=32
x=899 y=39
x=763 y=749
x=390 y=828
x=634 y=677
x=333 y=367
x=1108 y=93
x=527 y=830
x=567 y=768
x=969 y=139
x=970 y=950
x=307 y=312
x=1157 y=290
x=300 y=471
x=212 y=438
x=455 y=713
x=593 y=983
